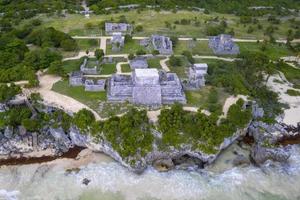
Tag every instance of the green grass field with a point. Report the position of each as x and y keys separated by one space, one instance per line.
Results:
x=87 y=44
x=107 y=69
x=196 y=47
x=154 y=63
x=130 y=47
x=154 y=22
x=181 y=70
x=91 y=99
x=126 y=68
x=199 y=98
x=72 y=65
x=274 y=51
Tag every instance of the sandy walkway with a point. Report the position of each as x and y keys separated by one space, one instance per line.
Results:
x=119 y=67
x=216 y=58
x=164 y=65
x=185 y=39
x=231 y=101
x=103 y=44
x=58 y=100
x=291 y=115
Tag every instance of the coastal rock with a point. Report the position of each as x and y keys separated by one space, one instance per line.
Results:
x=240 y=160
x=261 y=154
x=62 y=142
x=77 y=138
x=86 y=181
x=163 y=165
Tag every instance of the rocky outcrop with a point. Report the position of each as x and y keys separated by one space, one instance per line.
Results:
x=261 y=154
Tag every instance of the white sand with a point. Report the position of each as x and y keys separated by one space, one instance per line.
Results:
x=84 y=158
x=291 y=115
x=164 y=65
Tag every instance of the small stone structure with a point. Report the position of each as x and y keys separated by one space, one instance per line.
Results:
x=122 y=28
x=76 y=78
x=117 y=41
x=223 y=44
x=84 y=68
x=196 y=76
x=146 y=87
x=162 y=44
x=138 y=63
x=119 y=88
x=94 y=85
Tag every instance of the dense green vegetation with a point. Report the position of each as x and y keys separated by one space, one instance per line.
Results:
x=8 y=92
x=246 y=77
x=234 y=6
x=49 y=37
x=180 y=127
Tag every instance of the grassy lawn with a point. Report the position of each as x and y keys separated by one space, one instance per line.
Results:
x=107 y=69
x=180 y=70
x=154 y=22
x=126 y=68
x=91 y=99
x=199 y=98
x=130 y=47
x=72 y=65
x=196 y=47
x=90 y=44
x=274 y=51
x=154 y=63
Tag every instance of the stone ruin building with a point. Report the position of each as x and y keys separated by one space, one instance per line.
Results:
x=146 y=87
x=162 y=44
x=223 y=44
x=122 y=28
x=138 y=63
x=196 y=76
x=86 y=69
x=94 y=85
x=76 y=78
x=117 y=41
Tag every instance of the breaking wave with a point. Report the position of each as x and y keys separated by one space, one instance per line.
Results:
x=109 y=180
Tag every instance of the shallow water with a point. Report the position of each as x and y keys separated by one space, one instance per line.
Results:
x=109 y=181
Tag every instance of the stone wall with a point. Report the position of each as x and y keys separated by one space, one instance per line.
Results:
x=147 y=95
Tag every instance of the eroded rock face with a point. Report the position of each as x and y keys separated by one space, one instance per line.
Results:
x=261 y=154
x=163 y=165
x=241 y=160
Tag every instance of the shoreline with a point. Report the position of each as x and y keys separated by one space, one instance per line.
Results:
x=27 y=160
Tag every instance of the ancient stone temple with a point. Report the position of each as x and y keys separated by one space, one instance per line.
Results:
x=76 y=78
x=138 y=63
x=146 y=87
x=196 y=76
x=162 y=44
x=88 y=67
x=223 y=44
x=122 y=28
x=117 y=41
x=94 y=85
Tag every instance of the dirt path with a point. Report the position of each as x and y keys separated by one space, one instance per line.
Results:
x=55 y=99
x=216 y=58
x=231 y=101
x=163 y=64
x=186 y=39
x=103 y=44
x=119 y=67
